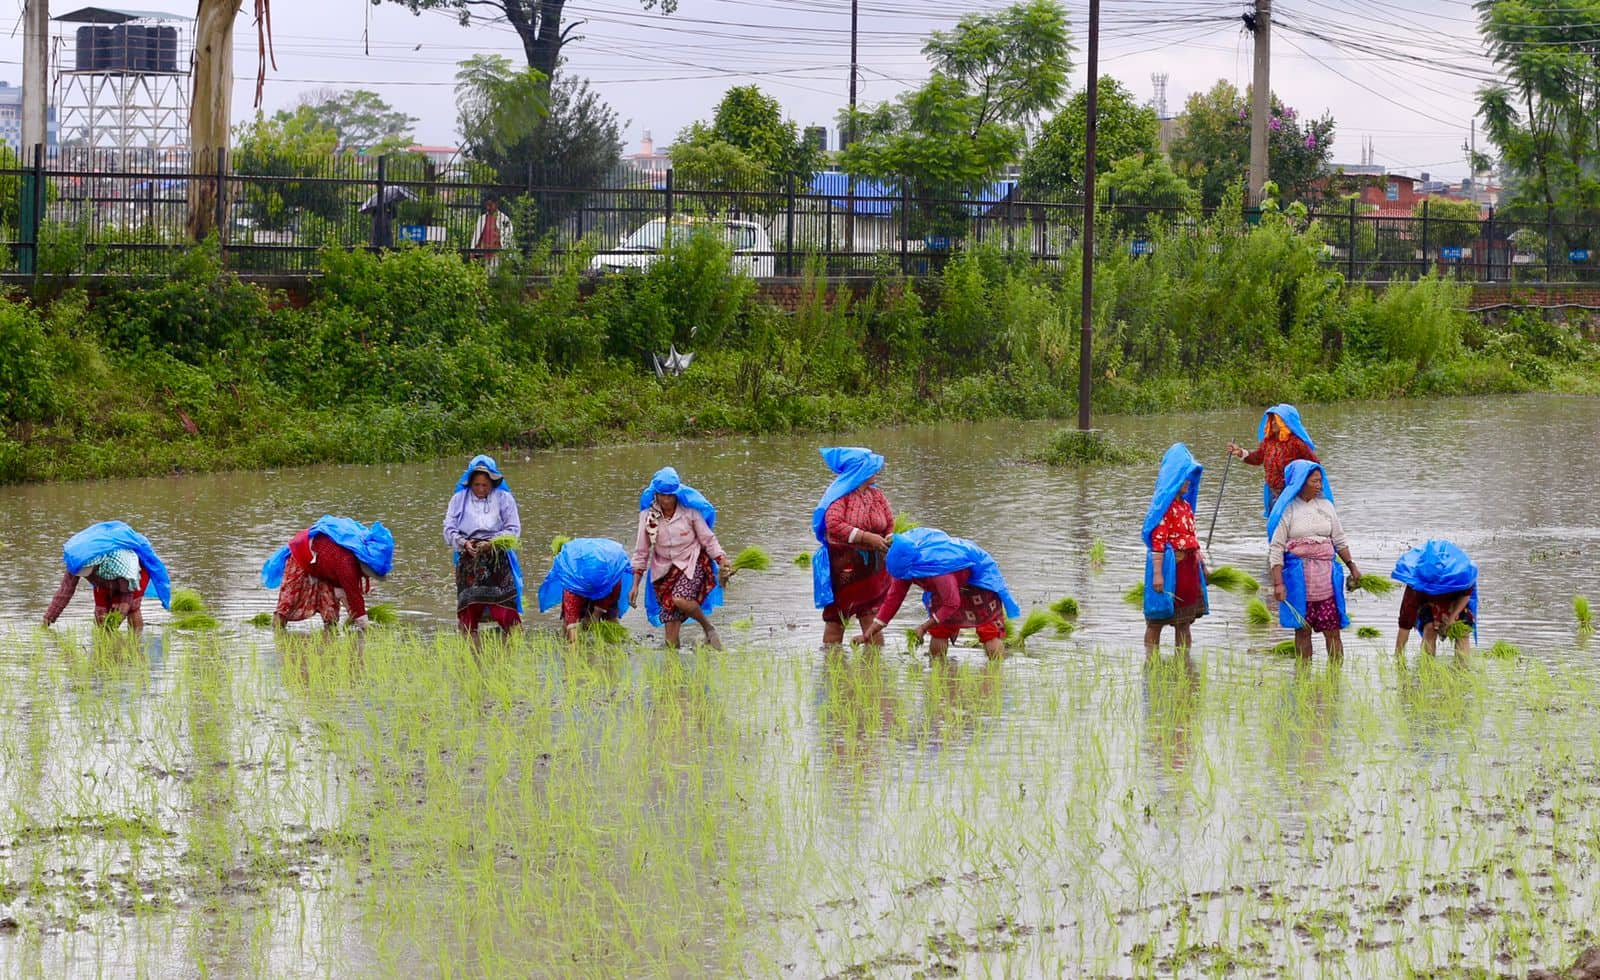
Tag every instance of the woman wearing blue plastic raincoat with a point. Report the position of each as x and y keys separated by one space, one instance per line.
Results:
x=962 y=588
x=1283 y=440
x=330 y=564
x=1441 y=587
x=1305 y=534
x=488 y=577
x=678 y=556
x=852 y=524
x=120 y=565
x=590 y=580
x=1174 y=565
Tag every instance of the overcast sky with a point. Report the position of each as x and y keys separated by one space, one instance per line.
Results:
x=1387 y=70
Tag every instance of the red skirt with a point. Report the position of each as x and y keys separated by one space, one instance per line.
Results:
x=1188 y=597
x=576 y=608
x=860 y=581
x=303 y=595
x=981 y=610
x=121 y=600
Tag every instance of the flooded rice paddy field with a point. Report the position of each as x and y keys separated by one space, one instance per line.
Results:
x=239 y=804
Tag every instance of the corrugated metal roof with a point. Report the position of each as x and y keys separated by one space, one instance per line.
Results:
x=112 y=15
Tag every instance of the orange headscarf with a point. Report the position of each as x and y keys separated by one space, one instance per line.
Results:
x=1275 y=427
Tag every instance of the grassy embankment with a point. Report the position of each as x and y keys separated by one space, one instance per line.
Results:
x=415 y=354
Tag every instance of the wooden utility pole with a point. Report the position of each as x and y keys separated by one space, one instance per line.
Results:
x=1261 y=98
x=1086 y=329
x=35 y=84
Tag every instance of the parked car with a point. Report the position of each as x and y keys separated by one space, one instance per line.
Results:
x=752 y=246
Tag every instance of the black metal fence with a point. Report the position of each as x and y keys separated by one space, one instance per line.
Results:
x=76 y=213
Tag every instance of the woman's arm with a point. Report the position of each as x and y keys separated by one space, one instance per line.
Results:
x=707 y=538
x=452 y=519
x=641 y=550
x=58 y=602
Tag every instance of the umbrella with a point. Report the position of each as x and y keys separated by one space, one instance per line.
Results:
x=673 y=363
x=392 y=195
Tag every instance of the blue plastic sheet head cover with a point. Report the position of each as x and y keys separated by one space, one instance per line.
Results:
x=854 y=467
x=373 y=547
x=1290 y=417
x=1439 y=568
x=89 y=544
x=1292 y=610
x=1179 y=475
x=925 y=552
x=590 y=567
x=666 y=481
x=487 y=465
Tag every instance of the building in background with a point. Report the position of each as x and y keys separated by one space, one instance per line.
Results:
x=11 y=119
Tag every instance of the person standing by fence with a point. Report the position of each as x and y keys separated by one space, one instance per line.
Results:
x=492 y=235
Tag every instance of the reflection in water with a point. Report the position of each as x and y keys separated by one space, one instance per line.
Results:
x=857 y=700
x=1172 y=698
x=1300 y=726
x=1441 y=704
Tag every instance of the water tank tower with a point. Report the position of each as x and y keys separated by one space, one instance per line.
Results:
x=122 y=80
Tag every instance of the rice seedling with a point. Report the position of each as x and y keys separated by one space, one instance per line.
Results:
x=744 y=625
x=383 y=614
x=1256 y=613
x=904 y=523
x=1232 y=580
x=1458 y=630
x=510 y=542
x=557 y=543
x=1036 y=622
x=1375 y=584
x=803 y=560
x=194 y=621
x=1284 y=648
x=1502 y=650
x=1134 y=596
x=1581 y=611
x=186 y=601
x=1097 y=555
x=1086 y=447
x=609 y=631
x=262 y=620
x=1368 y=632
x=912 y=640
x=1065 y=607
x=751 y=559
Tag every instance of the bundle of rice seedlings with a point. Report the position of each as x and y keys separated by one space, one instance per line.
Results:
x=1135 y=595
x=1097 y=554
x=1580 y=609
x=187 y=601
x=1037 y=622
x=1064 y=626
x=262 y=620
x=112 y=621
x=1066 y=607
x=752 y=559
x=609 y=631
x=1368 y=632
x=509 y=542
x=904 y=523
x=1457 y=630
x=382 y=614
x=743 y=625
x=803 y=560
x=1283 y=649
x=1375 y=584
x=194 y=621
x=911 y=640
x=1256 y=613
x=1503 y=650
x=1231 y=579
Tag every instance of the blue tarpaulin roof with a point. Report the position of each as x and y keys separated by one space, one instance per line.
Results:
x=877 y=197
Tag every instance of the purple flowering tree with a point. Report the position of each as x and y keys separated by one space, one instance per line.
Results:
x=1212 y=149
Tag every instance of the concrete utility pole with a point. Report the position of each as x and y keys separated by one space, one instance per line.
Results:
x=1261 y=97
x=35 y=87
x=850 y=137
x=1086 y=326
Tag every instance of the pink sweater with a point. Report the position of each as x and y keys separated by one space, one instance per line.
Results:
x=665 y=543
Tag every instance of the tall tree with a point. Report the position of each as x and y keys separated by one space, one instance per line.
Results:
x=537 y=23
x=1543 y=115
x=751 y=122
x=288 y=145
x=992 y=75
x=1054 y=164
x=1212 y=148
x=360 y=119
x=211 y=98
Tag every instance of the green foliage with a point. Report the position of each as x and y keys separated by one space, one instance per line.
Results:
x=803 y=560
x=289 y=145
x=187 y=601
x=498 y=107
x=1502 y=650
x=904 y=523
x=1418 y=323
x=1581 y=612
x=1284 y=648
x=506 y=542
x=194 y=622
x=1212 y=148
x=383 y=614
x=1450 y=223
x=359 y=119
x=748 y=132
x=1232 y=580
x=261 y=620
x=557 y=543
x=1134 y=596
x=751 y=559
x=1375 y=584
x=1053 y=166
x=1037 y=622
x=1065 y=607
x=1368 y=632
x=1097 y=554
x=1094 y=447
x=1017 y=58
x=691 y=298
x=1458 y=630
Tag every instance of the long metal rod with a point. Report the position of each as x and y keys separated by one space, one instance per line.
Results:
x=1086 y=334
x=1218 y=507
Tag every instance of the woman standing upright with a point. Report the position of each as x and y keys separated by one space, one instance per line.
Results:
x=852 y=524
x=1305 y=535
x=1283 y=440
x=488 y=577
x=678 y=556
x=1174 y=565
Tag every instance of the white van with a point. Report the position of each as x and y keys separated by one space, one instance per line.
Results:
x=752 y=246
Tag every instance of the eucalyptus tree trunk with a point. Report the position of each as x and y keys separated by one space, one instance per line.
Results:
x=209 y=109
